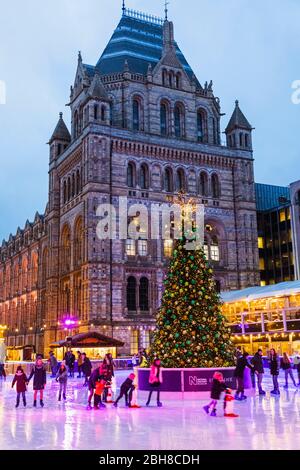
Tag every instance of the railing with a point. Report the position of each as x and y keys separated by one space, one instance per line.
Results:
x=138 y=15
x=266 y=321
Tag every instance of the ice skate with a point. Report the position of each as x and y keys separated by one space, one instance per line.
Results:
x=34 y=403
x=206 y=409
x=42 y=403
x=213 y=413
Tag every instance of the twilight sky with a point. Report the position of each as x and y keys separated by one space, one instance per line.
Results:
x=249 y=48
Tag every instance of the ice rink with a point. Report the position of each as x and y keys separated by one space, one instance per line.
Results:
x=264 y=422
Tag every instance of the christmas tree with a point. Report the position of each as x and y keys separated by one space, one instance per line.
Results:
x=191 y=330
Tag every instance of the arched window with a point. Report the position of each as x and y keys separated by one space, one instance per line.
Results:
x=203 y=184
x=144 y=177
x=215 y=186
x=66 y=249
x=164 y=77
x=131 y=294
x=246 y=140
x=65 y=192
x=76 y=124
x=168 y=180
x=199 y=126
x=180 y=180
x=45 y=266
x=144 y=294
x=163 y=119
x=171 y=77
x=103 y=113
x=214 y=130
x=178 y=81
x=69 y=188
x=78 y=182
x=24 y=272
x=73 y=185
x=95 y=112
x=178 y=121
x=136 y=115
x=78 y=243
x=241 y=139
x=34 y=268
x=131 y=175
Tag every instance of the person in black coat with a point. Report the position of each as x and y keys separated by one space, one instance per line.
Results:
x=126 y=387
x=96 y=376
x=218 y=386
x=70 y=361
x=86 y=369
x=108 y=369
x=258 y=369
x=274 y=371
x=241 y=365
x=39 y=380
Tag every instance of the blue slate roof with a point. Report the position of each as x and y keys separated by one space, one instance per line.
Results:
x=140 y=42
x=271 y=197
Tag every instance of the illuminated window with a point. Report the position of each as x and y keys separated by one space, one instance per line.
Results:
x=261 y=243
x=262 y=265
x=143 y=247
x=130 y=248
x=134 y=341
x=206 y=250
x=282 y=216
x=214 y=250
x=168 y=248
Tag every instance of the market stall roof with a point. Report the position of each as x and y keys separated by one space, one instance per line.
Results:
x=27 y=346
x=91 y=339
x=283 y=289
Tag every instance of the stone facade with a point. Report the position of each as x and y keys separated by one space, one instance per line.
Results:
x=143 y=134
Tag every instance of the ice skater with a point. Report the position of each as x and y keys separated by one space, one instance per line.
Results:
x=53 y=364
x=96 y=376
x=21 y=380
x=62 y=378
x=99 y=390
x=228 y=404
x=126 y=390
x=286 y=365
x=86 y=369
x=274 y=371
x=39 y=380
x=241 y=365
x=155 y=381
x=2 y=372
x=218 y=386
x=258 y=369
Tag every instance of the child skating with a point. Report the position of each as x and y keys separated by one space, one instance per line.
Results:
x=126 y=390
x=62 y=378
x=228 y=404
x=21 y=380
x=218 y=386
x=39 y=381
x=99 y=390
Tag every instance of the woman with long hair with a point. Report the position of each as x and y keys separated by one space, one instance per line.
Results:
x=286 y=365
x=155 y=380
x=274 y=371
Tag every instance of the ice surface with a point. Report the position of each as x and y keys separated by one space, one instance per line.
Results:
x=264 y=422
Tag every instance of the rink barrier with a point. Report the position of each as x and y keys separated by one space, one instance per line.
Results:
x=11 y=366
x=190 y=380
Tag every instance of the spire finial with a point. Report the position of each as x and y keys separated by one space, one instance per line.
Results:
x=79 y=56
x=60 y=115
x=123 y=7
x=236 y=103
x=166 y=10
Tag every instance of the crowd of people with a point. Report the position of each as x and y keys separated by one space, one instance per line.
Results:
x=99 y=381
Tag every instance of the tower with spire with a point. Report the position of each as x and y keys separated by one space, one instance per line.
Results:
x=239 y=131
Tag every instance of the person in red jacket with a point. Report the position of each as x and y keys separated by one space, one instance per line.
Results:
x=21 y=380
